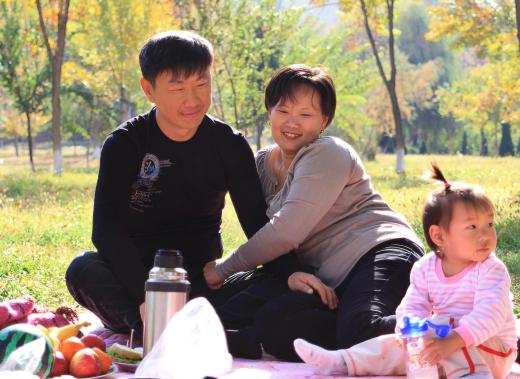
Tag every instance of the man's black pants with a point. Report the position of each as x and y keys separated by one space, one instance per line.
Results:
x=93 y=285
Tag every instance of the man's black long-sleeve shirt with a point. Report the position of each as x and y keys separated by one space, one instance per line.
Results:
x=153 y=192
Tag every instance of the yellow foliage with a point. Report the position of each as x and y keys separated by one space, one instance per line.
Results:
x=488 y=93
x=12 y=123
x=484 y=26
x=107 y=36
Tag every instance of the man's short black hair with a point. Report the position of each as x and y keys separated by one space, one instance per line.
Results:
x=180 y=52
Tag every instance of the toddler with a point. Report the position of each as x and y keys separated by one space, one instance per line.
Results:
x=462 y=280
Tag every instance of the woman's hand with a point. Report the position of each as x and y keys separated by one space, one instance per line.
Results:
x=213 y=279
x=308 y=283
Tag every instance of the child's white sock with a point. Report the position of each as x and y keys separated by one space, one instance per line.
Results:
x=323 y=362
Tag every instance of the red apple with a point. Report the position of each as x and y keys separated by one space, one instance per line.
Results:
x=60 y=365
x=85 y=363
x=91 y=340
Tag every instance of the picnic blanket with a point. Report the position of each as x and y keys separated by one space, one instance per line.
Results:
x=242 y=368
x=24 y=310
x=248 y=369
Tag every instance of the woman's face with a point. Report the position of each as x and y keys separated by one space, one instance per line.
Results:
x=297 y=121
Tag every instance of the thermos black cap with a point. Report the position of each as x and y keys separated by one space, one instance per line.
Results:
x=168 y=258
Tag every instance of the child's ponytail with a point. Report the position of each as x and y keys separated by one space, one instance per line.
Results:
x=437 y=174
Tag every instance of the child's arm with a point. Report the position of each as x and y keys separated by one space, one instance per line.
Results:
x=491 y=306
x=436 y=349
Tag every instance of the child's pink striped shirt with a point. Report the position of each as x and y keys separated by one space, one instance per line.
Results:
x=478 y=297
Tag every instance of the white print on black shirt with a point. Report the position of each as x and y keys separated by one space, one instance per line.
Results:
x=144 y=187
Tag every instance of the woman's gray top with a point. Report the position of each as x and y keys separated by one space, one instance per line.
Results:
x=326 y=211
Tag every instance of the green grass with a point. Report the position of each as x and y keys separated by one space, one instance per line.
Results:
x=45 y=220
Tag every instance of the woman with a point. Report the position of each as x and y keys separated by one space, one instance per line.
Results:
x=323 y=207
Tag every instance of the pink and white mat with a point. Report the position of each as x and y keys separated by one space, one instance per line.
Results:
x=243 y=368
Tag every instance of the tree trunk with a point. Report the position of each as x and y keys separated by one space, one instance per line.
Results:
x=16 y=146
x=399 y=135
x=259 y=131
x=56 y=60
x=96 y=151
x=56 y=117
x=124 y=108
x=399 y=161
x=389 y=83
x=483 y=143
x=87 y=154
x=29 y=140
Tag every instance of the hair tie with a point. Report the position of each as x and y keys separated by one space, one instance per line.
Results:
x=447 y=185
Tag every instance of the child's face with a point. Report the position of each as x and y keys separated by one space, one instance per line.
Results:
x=471 y=235
x=297 y=122
x=181 y=102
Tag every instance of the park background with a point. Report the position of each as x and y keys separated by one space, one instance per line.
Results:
x=417 y=81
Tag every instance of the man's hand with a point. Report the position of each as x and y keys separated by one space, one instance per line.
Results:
x=213 y=279
x=308 y=283
x=436 y=349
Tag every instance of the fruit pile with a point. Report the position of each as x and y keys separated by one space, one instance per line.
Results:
x=81 y=357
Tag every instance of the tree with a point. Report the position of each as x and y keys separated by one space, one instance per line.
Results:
x=24 y=71
x=89 y=115
x=12 y=126
x=415 y=86
x=423 y=149
x=506 y=143
x=375 y=14
x=464 y=146
x=486 y=95
x=104 y=48
x=487 y=26
x=484 y=151
x=248 y=49
x=428 y=124
x=55 y=31
x=339 y=52
x=413 y=27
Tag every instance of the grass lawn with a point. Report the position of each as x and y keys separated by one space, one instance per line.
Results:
x=46 y=220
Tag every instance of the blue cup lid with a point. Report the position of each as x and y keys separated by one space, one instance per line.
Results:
x=413 y=327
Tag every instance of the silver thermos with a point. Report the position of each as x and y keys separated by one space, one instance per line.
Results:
x=166 y=291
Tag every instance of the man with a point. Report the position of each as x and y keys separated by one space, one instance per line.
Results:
x=162 y=182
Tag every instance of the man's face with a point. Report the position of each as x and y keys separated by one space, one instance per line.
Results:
x=181 y=101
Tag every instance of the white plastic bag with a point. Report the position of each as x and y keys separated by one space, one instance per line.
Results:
x=192 y=346
x=24 y=360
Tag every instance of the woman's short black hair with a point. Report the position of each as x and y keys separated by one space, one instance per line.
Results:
x=180 y=52
x=287 y=79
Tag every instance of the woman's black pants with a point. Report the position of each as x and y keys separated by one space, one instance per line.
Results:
x=368 y=298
